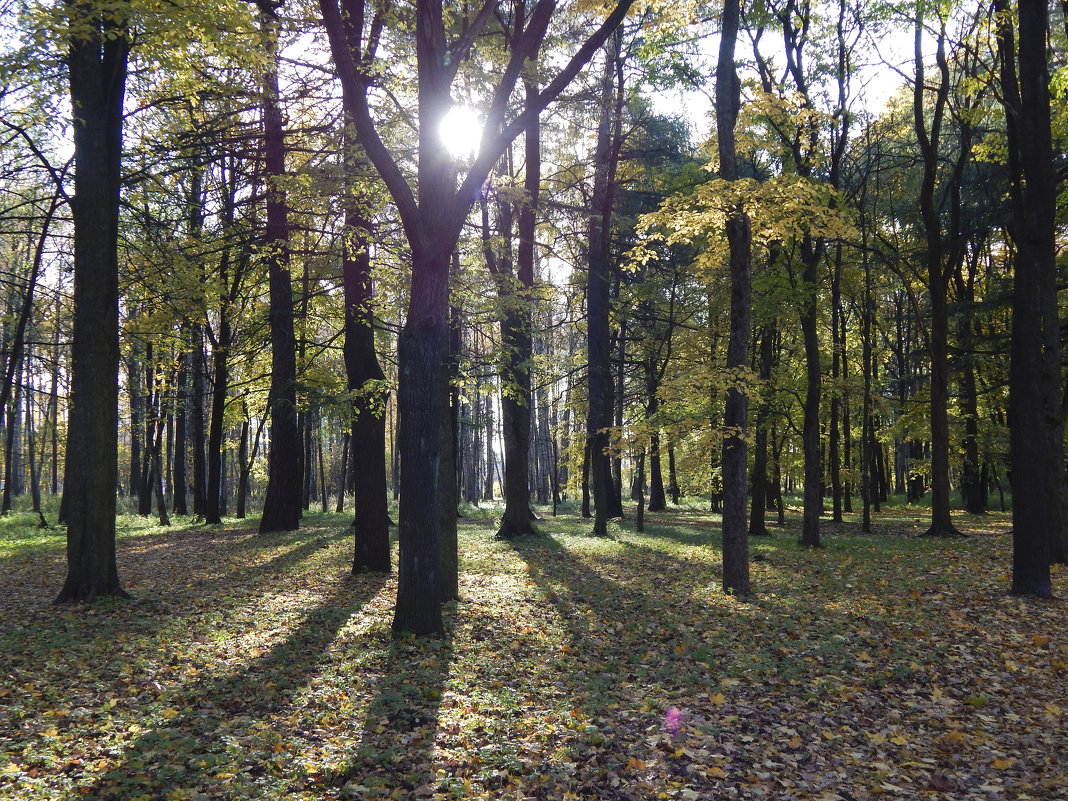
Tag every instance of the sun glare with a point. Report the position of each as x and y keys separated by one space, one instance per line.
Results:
x=461 y=131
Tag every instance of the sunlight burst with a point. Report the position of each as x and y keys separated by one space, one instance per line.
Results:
x=461 y=132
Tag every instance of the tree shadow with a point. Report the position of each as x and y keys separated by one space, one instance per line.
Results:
x=395 y=753
x=222 y=730
x=627 y=656
x=165 y=572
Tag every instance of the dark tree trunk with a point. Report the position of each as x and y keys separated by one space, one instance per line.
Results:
x=433 y=215
x=516 y=334
x=597 y=306
x=35 y=472
x=97 y=62
x=586 y=464
x=1034 y=369
x=673 y=479
x=758 y=526
x=657 y=498
x=179 y=469
x=220 y=391
x=281 y=505
x=368 y=382
x=941 y=519
x=157 y=475
x=343 y=472
x=837 y=348
x=639 y=483
x=134 y=366
x=487 y=490
x=450 y=424
x=736 y=404
x=12 y=462
x=810 y=435
x=242 y=477
x=196 y=412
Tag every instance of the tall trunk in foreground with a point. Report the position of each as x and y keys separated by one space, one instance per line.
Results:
x=598 y=342
x=517 y=338
x=368 y=383
x=281 y=505
x=1035 y=432
x=432 y=213
x=736 y=405
x=97 y=63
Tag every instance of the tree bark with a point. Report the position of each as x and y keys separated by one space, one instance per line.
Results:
x=1034 y=416
x=599 y=417
x=941 y=519
x=368 y=383
x=758 y=508
x=281 y=505
x=97 y=62
x=735 y=410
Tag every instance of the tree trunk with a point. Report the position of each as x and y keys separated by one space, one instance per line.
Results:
x=97 y=71
x=837 y=347
x=180 y=436
x=134 y=366
x=758 y=508
x=736 y=404
x=813 y=494
x=368 y=383
x=517 y=336
x=196 y=413
x=941 y=520
x=281 y=506
x=597 y=306
x=12 y=462
x=1034 y=368
x=220 y=391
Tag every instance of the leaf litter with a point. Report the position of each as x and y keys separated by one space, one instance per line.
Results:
x=252 y=667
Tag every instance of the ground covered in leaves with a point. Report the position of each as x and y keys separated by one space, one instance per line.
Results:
x=248 y=667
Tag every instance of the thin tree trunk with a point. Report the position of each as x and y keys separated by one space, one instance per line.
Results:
x=758 y=508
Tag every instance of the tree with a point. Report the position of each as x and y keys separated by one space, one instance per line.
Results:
x=97 y=65
x=432 y=212
x=514 y=290
x=365 y=380
x=739 y=237
x=282 y=504
x=927 y=136
x=1036 y=430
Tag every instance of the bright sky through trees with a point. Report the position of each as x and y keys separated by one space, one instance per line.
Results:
x=461 y=131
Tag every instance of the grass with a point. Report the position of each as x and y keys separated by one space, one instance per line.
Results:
x=252 y=667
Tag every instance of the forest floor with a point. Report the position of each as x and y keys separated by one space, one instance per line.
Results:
x=247 y=667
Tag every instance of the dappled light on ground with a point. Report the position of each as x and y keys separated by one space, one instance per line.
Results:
x=881 y=666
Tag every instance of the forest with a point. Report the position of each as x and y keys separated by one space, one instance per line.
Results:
x=533 y=399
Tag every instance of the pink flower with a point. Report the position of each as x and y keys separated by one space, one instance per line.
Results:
x=673 y=720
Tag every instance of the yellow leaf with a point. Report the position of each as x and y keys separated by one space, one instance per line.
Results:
x=169 y=713
x=1001 y=763
x=898 y=739
x=717 y=773
x=50 y=732
x=717 y=699
x=877 y=739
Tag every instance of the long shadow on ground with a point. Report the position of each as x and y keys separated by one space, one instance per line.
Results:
x=220 y=731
